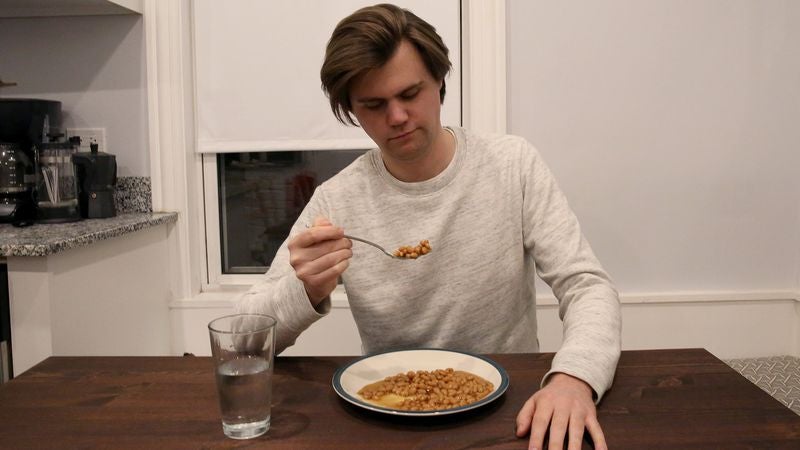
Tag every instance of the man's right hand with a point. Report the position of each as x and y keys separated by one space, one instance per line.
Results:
x=319 y=255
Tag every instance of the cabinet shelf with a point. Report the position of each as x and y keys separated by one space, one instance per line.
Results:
x=53 y=8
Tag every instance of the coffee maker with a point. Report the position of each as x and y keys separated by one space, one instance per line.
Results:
x=97 y=177
x=24 y=124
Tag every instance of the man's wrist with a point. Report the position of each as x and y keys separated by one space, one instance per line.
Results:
x=561 y=377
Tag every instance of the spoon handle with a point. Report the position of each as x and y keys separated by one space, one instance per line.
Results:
x=353 y=238
x=370 y=243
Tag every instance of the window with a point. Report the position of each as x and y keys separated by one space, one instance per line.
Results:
x=261 y=194
x=264 y=129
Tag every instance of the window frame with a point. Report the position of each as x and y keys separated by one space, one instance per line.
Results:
x=187 y=182
x=213 y=220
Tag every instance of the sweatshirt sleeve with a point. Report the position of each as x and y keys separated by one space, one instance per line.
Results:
x=281 y=294
x=588 y=301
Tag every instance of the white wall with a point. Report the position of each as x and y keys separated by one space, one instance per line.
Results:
x=728 y=329
x=672 y=127
x=94 y=65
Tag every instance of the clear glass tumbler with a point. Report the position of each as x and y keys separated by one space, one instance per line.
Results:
x=243 y=349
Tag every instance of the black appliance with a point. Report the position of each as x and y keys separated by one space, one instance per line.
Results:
x=97 y=177
x=29 y=121
x=24 y=124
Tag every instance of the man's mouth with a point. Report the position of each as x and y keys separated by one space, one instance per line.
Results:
x=401 y=136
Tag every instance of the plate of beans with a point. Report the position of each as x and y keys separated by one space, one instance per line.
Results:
x=420 y=382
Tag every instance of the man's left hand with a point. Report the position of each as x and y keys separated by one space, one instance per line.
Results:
x=564 y=405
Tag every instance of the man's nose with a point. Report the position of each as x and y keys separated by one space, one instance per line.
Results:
x=396 y=113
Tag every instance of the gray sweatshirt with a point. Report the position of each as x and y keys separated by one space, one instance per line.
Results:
x=495 y=218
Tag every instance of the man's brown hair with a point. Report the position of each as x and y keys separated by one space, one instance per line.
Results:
x=366 y=40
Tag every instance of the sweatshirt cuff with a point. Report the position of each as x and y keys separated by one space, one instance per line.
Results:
x=301 y=314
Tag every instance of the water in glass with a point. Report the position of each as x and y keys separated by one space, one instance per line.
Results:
x=244 y=395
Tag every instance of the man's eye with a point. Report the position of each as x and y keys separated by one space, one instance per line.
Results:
x=372 y=105
x=410 y=94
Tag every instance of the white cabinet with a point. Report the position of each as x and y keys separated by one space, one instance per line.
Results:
x=107 y=298
x=49 y=8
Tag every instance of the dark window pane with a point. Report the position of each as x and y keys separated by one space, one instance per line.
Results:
x=261 y=195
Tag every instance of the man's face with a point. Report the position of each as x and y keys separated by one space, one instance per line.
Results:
x=398 y=106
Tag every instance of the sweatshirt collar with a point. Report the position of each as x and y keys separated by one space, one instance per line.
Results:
x=431 y=185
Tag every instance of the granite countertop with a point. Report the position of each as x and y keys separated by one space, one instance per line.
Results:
x=48 y=239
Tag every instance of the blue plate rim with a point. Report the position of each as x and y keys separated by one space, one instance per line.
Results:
x=337 y=385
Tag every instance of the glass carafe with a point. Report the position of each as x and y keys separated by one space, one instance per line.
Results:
x=12 y=169
x=16 y=185
x=56 y=186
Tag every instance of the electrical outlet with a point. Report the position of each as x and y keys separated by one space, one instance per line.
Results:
x=89 y=135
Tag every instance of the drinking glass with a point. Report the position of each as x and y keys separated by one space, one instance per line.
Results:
x=243 y=350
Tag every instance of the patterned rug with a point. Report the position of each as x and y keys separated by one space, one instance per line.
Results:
x=778 y=376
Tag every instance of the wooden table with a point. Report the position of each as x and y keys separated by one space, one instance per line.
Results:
x=671 y=399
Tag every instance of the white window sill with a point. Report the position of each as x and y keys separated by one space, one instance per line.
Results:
x=225 y=297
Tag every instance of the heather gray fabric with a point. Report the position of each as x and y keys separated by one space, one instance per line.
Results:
x=494 y=217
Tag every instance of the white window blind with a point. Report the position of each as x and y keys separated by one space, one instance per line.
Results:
x=257 y=73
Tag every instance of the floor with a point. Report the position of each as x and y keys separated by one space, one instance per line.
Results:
x=779 y=376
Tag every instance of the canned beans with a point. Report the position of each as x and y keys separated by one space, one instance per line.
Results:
x=410 y=252
x=427 y=391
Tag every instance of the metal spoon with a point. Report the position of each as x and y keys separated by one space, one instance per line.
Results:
x=385 y=252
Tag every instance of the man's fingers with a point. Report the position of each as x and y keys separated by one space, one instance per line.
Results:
x=596 y=432
x=321 y=221
x=524 y=418
x=319 y=255
x=561 y=414
x=313 y=244
x=575 y=431
x=318 y=268
x=316 y=235
x=321 y=283
x=558 y=430
x=341 y=266
x=540 y=422
x=329 y=274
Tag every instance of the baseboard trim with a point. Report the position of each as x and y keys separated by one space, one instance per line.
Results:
x=209 y=300
x=694 y=297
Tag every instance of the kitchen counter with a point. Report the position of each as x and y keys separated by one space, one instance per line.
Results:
x=49 y=239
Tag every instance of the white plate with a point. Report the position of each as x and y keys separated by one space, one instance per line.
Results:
x=349 y=379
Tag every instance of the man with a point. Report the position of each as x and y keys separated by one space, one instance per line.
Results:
x=489 y=207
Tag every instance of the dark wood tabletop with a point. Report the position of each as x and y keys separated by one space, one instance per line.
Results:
x=670 y=399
